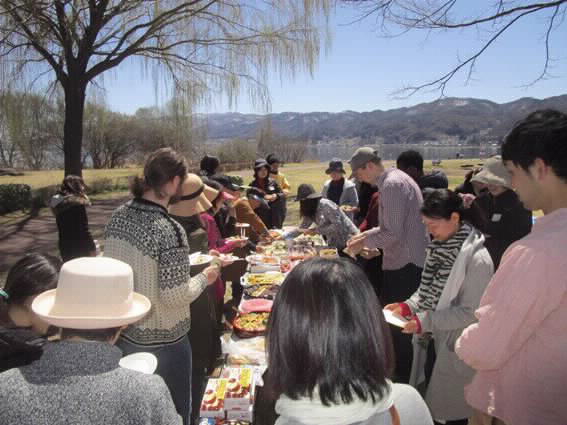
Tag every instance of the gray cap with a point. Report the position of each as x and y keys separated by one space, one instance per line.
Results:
x=493 y=172
x=362 y=156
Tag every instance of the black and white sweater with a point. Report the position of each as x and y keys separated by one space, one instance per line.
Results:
x=142 y=234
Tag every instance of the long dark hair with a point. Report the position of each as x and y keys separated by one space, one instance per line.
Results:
x=30 y=276
x=161 y=167
x=327 y=331
x=72 y=185
x=441 y=203
x=308 y=208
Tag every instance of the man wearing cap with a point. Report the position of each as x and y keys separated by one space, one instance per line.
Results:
x=340 y=190
x=401 y=235
x=78 y=379
x=280 y=178
x=519 y=345
x=141 y=233
x=505 y=218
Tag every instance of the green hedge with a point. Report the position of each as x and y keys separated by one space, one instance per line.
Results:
x=14 y=197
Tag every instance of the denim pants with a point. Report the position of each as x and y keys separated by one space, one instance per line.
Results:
x=174 y=366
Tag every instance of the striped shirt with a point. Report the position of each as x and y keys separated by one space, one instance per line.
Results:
x=401 y=232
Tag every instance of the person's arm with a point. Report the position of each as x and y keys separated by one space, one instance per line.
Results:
x=247 y=215
x=478 y=275
x=285 y=185
x=527 y=287
x=82 y=228
x=395 y=204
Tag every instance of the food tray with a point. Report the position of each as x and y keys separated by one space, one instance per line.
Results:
x=243 y=331
x=267 y=292
x=266 y=278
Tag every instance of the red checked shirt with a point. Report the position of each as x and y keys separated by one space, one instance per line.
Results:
x=401 y=232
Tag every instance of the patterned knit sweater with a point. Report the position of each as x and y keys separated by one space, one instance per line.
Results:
x=142 y=234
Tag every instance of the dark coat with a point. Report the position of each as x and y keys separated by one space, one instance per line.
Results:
x=505 y=220
x=271 y=217
x=75 y=239
x=19 y=347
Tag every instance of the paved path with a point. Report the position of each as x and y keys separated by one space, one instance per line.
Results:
x=39 y=234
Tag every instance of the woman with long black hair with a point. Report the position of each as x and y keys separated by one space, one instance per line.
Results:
x=273 y=216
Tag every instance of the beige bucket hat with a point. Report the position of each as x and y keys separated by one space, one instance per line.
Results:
x=92 y=293
x=493 y=172
x=196 y=197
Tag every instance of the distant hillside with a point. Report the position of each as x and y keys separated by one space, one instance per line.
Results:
x=441 y=120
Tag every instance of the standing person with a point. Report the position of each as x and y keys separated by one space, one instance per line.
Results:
x=341 y=376
x=365 y=193
x=401 y=235
x=22 y=332
x=457 y=270
x=411 y=163
x=272 y=192
x=330 y=221
x=69 y=207
x=209 y=166
x=141 y=233
x=340 y=190
x=371 y=262
x=519 y=345
x=505 y=218
x=281 y=211
x=78 y=379
x=226 y=216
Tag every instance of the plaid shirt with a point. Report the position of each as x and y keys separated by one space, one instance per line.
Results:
x=401 y=232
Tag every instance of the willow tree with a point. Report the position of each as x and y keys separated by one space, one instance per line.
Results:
x=200 y=47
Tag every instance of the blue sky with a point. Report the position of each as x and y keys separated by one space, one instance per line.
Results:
x=362 y=70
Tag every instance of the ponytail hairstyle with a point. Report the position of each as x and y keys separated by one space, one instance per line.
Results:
x=441 y=203
x=161 y=167
x=30 y=276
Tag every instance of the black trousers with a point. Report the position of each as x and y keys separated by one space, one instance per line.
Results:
x=398 y=286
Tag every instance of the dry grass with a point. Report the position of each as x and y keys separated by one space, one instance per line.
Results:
x=37 y=179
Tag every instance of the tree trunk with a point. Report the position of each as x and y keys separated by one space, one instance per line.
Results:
x=75 y=94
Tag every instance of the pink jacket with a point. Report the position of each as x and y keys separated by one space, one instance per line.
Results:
x=519 y=345
x=214 y=235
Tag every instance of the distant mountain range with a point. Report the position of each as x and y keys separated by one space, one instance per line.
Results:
x=441 y=121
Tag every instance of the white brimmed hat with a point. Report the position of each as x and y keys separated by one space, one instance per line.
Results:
x=493 y=172
x=92 y=293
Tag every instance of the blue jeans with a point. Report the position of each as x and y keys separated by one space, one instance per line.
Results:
x=174 y=366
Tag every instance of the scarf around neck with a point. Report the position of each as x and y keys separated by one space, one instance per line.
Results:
x=441 y=256
x=311 y=411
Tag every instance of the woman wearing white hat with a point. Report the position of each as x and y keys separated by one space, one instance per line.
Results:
x=142 y=234
x=505 y=218
x=78 y=379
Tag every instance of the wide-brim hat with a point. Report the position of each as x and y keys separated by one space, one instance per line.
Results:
x=92 y=293
x=335 y=166
x=225 y=181
x=306 y=191
x=196 y=197
x=493 y=172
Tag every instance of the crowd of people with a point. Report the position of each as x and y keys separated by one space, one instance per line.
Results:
x=481 y=294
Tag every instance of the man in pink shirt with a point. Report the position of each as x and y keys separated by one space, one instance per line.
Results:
x=519 y=345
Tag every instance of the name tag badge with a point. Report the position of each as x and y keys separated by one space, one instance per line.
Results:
x=496 y=217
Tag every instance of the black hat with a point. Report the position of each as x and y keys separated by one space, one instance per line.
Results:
x=272 y=159
x=306 y=191
x=256 y=195
x=225 y=181
x=336 y=165
x=260 y=163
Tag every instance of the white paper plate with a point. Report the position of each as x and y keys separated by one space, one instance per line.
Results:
x=204 y=257
x=394 y=319
x=141 y=362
